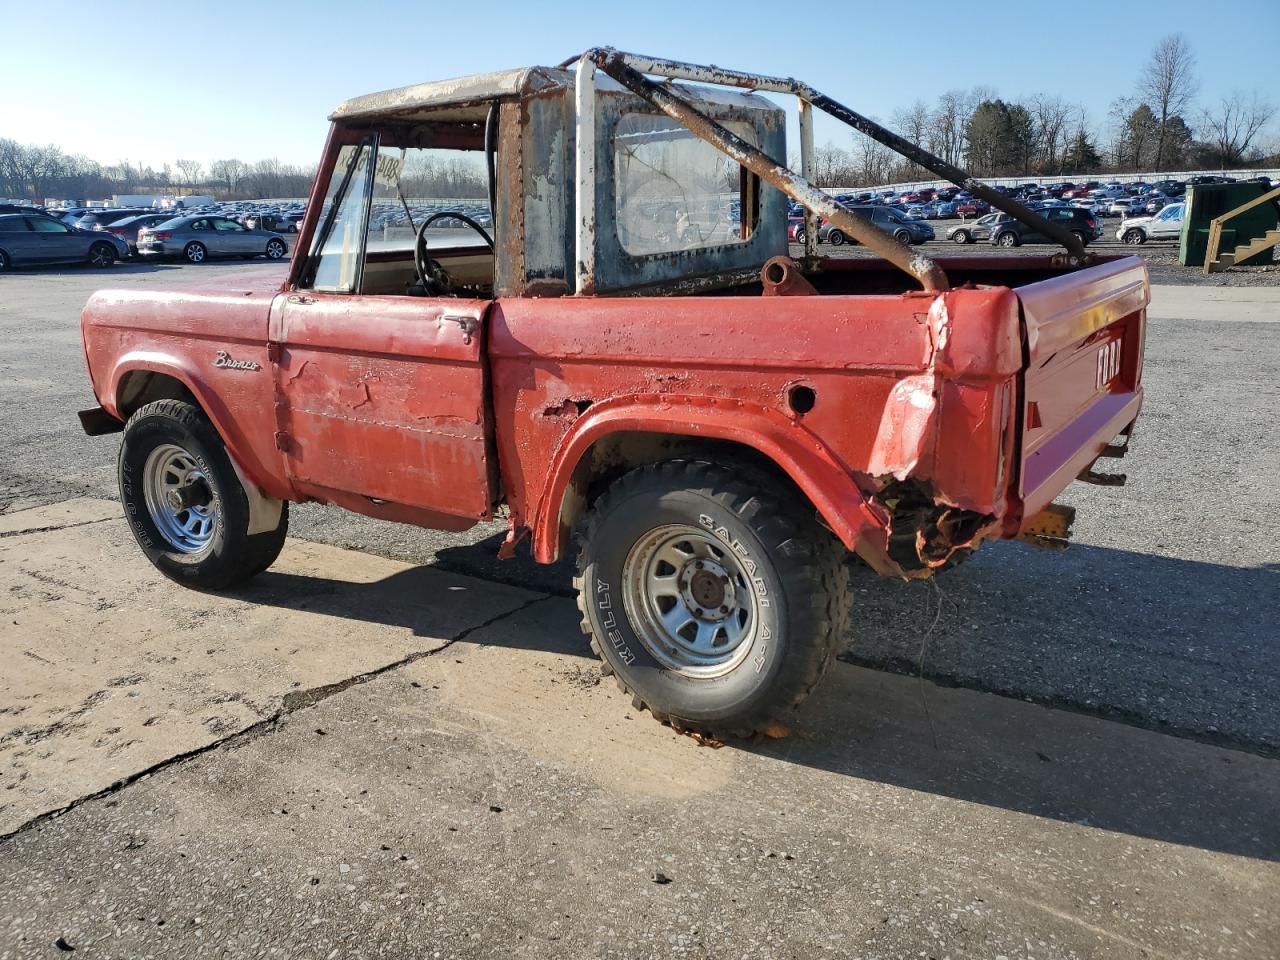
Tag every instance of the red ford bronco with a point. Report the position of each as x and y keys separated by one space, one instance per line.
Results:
x=628 y=366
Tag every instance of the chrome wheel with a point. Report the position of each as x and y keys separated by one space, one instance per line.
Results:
x=179 y=499
x=689 y=600
x=275 y=250
x=195 y=252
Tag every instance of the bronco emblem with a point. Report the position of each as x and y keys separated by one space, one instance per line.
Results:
x=223 y=359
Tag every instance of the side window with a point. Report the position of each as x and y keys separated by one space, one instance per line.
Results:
x=200 y=224
x=13 y=225
x=674 y=191
x=227 y=226
x=45 y=225
x=337 y=254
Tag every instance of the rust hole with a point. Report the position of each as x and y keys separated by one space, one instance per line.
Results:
x=802 y=399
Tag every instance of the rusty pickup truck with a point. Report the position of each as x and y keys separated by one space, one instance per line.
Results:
x=626 y=364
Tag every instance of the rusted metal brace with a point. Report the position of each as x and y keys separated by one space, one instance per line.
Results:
x=924 y=269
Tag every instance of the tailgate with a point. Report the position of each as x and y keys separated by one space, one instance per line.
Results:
x=1083 y=382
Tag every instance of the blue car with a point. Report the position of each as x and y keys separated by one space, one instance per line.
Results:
x=30 y=239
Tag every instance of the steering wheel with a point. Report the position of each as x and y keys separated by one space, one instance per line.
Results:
x=433 y=277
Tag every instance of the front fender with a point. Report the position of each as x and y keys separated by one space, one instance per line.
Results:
x=805 y=459
x=239 y=447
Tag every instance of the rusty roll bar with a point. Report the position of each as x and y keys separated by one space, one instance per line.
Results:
x=736 y=78
x=924 y=269
x=947 y=171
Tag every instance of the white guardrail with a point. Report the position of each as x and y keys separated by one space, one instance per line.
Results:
x=1272 y=172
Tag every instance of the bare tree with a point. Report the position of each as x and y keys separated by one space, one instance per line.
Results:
x=190 y=170
x=913 y=123
x=1167 y=83
x=1233 y=124
x=1052 y=115
x=230 y=172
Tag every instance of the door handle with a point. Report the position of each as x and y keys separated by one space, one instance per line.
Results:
x=299 y=298
x=468 y=325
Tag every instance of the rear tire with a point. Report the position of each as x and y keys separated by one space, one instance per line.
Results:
x=800 y=235
x=735 y=637
x=835 y=238
x=5 y=262
x=102 y=255
x=184 y=502
x=195 y=252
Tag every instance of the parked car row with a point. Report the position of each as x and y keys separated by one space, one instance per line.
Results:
x=34 y=237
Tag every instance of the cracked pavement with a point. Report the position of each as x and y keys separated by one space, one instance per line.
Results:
x=355 y=757
x=371 y=752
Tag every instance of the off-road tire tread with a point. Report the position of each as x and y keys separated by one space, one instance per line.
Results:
x=263 y=548
x=814 y=569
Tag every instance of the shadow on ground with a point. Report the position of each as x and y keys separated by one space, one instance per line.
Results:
x=994 y=751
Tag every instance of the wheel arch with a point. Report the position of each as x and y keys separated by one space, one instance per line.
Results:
x=142 y=377
x=628 y=432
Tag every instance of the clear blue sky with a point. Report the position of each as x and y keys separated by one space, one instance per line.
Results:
x=257 y=79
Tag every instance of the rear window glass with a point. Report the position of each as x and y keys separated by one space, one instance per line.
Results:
x=674 y=191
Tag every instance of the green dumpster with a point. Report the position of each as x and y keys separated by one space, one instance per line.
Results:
x=1205 y=201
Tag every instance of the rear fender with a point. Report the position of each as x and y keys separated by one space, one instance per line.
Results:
x=802 y=456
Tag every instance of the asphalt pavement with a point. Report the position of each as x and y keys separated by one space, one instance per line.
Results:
x=356 y=757
x=1162 y=613
x=392 y=744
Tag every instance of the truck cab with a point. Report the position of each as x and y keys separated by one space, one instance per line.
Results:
x=615 y=351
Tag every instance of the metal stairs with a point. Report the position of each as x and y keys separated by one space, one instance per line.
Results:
x=1246 y=250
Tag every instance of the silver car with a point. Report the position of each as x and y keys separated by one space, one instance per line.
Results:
x=197 y=238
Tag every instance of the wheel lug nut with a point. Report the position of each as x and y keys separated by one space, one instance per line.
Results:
x=724 y=609
x=697 y=611
x=698 y=565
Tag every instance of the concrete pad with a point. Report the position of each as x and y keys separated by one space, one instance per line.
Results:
x=501 y=801
x=1232 y=304
x=67 y=513
x=110 y=668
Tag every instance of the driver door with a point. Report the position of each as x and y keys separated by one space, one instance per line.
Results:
x=381 y=396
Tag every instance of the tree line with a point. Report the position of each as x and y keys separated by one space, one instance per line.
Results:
x=1157 y=127
x=37 y=173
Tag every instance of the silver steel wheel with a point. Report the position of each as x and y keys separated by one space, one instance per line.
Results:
x=179 y=499
x=690 y=601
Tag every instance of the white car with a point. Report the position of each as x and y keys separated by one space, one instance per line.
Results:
x=1095 y=206
x=1165 y=225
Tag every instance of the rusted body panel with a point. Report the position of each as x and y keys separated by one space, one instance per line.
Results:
x=908 y=388
x=130 y=333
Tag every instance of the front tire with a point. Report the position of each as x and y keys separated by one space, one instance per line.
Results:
x=275 y=249
x=800 y=235
x=5 y=262
x=184 y=502
x=1008 y=239
x=715 y=599
x=835 y=238
x=195 y=252
x=1134 y=237
x=903 y=237
x=961 y=236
